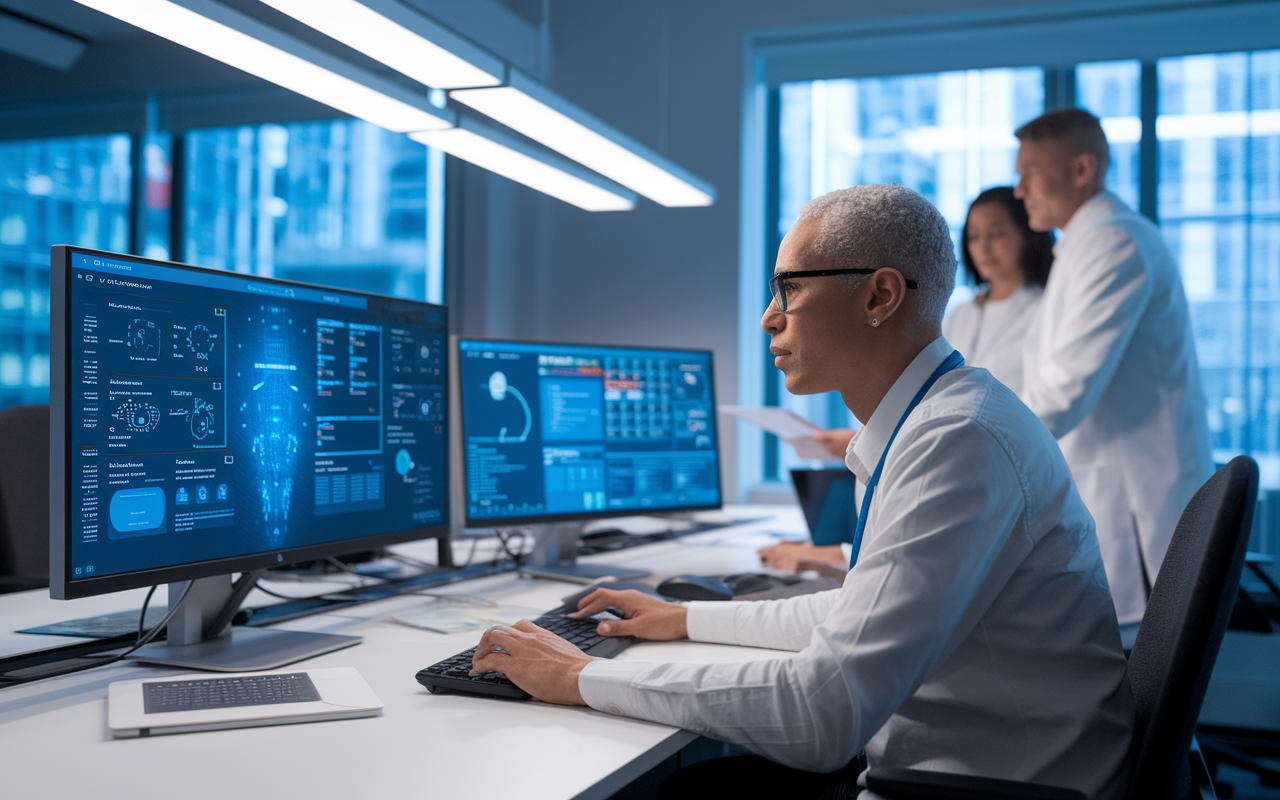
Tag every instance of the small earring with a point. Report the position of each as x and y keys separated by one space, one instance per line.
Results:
x=875 y=323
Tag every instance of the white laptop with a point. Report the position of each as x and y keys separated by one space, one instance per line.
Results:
x=205 y=702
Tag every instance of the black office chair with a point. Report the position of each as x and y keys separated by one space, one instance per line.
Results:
x=24 y=498
x=1171 y=663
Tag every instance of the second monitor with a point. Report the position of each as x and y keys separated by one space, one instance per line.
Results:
x=560 y=433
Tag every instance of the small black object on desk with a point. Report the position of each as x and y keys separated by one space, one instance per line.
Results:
x=695 y=587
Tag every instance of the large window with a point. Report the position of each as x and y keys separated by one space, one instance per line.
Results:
x=336 y=202
x=1212 y=182
x=1112 y=90
x=341 y=203
x=72 y=190
x=1219 y=207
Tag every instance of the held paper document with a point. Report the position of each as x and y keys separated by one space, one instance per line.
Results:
x=791 y=428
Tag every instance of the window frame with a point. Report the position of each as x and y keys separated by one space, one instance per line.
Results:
x=1056 y=38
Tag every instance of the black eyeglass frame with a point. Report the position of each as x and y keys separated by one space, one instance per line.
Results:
x=780 y=297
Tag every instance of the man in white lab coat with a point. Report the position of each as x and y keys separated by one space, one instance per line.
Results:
x=1110 y=367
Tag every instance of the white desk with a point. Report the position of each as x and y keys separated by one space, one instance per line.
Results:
x=54 y=742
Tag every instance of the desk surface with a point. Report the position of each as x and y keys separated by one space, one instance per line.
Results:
x=55 y=742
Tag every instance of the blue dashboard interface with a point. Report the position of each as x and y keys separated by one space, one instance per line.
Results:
x=557 y=430
x=216 y=415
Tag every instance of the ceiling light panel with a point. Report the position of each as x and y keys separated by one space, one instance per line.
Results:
x=528 y=107
x=218 y=32
x=497 y=152
x=395 y=35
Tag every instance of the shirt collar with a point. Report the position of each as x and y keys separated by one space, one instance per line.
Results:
x=1094 y=209
x=868 y=444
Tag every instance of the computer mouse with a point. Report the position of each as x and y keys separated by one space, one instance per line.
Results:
x=570 y=603
x=749 y=582
x=695 y=587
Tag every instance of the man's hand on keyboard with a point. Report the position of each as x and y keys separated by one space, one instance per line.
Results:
x=536 y=660
x=646 y=617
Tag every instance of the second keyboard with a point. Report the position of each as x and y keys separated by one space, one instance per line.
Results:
x=453 y=674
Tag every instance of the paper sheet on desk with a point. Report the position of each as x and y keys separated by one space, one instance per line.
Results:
x=454 y=619
x=791 y=428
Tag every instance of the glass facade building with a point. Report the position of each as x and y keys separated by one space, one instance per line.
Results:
x=72 y=190
x=1219 y=207
x=339 y=202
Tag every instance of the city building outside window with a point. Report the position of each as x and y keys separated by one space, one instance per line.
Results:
x=339 y=203
x=71 y=190
x=1216 y=184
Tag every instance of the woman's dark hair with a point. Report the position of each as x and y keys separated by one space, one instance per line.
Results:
x=1037 y=248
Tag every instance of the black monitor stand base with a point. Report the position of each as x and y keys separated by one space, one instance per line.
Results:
x=582 y=573
x=554 y=556
x=200 y=635
x=246 y=650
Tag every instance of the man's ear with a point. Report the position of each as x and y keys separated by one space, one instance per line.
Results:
x=1084 y=171
x=886 y=289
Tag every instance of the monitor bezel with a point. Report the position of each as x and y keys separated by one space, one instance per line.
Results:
x=61 y=584
x=463 y=517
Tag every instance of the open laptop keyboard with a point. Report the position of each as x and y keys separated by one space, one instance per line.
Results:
x=230 y=692
x=453 y=674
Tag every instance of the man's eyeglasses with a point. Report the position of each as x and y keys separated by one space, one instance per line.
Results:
x=778 y=283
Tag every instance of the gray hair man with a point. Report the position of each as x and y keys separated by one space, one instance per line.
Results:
x=1110 y=365
x=974 y=633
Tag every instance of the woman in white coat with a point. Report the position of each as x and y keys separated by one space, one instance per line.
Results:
x=1009 y=263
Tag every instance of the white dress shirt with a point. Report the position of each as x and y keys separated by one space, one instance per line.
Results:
x=991 y=333
x=975 y=633
x=1110 y=368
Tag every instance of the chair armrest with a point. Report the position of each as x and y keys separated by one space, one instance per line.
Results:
x=895 y=783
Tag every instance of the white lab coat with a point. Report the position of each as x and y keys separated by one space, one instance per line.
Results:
x=1110 y=368
x=991 y=333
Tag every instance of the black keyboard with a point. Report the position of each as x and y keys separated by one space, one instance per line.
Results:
x=246 y=690
x=452 y=674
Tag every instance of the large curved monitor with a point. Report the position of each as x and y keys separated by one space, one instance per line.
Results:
x=555 y=432
x=207 y=422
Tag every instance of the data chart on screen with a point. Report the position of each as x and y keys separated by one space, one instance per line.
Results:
x=558 y=431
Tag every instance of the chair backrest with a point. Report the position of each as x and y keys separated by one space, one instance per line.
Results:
x=1182 y=629
x=24 y=491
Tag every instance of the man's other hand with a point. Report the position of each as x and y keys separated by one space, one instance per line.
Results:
x=646 y=617
x=798 y=556
x=836 y=440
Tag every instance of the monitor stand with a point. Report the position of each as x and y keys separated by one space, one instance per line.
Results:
x=555 y=553
x=200 y=634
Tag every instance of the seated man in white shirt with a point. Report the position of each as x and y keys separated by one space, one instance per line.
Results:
x=975 y=633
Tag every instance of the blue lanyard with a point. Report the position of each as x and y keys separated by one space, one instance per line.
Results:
x=954 y=360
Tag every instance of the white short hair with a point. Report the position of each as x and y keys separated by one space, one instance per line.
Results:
x=886 y=225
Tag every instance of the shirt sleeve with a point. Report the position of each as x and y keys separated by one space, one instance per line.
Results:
x=1072 y=364
x=940 y=545
x=774 y=624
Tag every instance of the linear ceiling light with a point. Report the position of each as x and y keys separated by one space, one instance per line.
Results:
x=246 y=44
x=505 y=155
x=526 y=106
x=407 y=42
